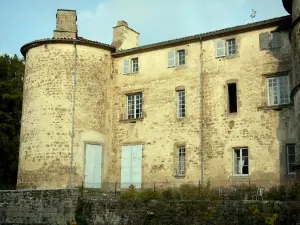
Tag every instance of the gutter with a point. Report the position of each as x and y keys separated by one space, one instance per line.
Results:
x=201 y=114
x=73 y=116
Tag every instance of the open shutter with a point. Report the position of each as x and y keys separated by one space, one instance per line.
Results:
x=171 y=59
x=264 y=40
x=136 y=175
x=220 y=48
x=126 y=167
x=126 y=66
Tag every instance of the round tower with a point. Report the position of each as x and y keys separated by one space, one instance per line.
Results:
x=293 y=8
x=67 y=92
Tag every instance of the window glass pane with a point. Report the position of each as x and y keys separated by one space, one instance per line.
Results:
x=181 y=104
x=181 y=57
x=181 y=161
x=134 y=106
x=231 y=47
x=135 y=65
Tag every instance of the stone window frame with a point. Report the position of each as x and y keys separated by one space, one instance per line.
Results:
x=129 y=65
x=288 y=172
x=278 y=89
x=174 y=55
x=176 y=149
x=233 y=162
x=225 y=43
x=124 y=106
x=232 y=81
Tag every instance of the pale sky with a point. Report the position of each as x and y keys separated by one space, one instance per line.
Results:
x=22 y=21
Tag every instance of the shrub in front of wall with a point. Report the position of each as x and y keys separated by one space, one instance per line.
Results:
x=276 y=193
x=293 y=191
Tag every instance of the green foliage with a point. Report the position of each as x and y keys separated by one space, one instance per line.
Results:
x=288 y=192
x=11 y=90
x=83 y=212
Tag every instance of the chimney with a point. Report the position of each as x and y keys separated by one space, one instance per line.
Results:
x=66 y=26
x=125 y=37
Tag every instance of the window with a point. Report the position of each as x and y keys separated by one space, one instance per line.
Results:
x=291 y=158
x=278 y=90
x=240 y=163
x=135 y=65
x=181 y=161
x=134 y=106
x=181 y=104
x=269 y=40
x=231 y=47
x=275 y=40
x=224 y=48
x=176 y=58
x=131 y=65
x=232 y=98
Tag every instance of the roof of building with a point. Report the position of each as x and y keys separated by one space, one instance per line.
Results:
x=249 y=26
x=81 y=40
x=207 y=35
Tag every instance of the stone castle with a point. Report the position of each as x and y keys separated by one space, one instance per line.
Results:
x=221 y=106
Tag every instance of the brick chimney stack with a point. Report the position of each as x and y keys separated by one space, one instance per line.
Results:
x=66 y=26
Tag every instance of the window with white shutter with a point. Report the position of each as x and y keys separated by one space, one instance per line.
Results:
x=220 y=48
x=126 y=66
x=176 y=58
x=171 y=59
x=278 y=90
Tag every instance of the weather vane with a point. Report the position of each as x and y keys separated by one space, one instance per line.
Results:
x=253 y=14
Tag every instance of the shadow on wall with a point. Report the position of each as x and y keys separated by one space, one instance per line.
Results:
x=286 y=135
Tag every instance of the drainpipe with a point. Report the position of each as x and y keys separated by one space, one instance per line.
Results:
x=73 y=115
x=201 y=113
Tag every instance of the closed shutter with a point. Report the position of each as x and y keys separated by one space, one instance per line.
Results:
x=126 y=66
x=171 y=59
x=264 y=40
x=136 y=175
x=126 y=167
x=220 y=48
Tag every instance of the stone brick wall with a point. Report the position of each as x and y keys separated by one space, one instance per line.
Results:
x=38 y=206
x=65 y=24
x=263 y=130
x=46 y=129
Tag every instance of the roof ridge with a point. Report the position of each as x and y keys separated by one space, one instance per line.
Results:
x=209 y=33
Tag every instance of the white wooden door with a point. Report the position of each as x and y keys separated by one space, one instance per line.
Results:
x=131 y=166
x=93 y=165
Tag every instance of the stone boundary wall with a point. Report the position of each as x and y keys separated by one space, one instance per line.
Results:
x=57 y=207
x=38 y=206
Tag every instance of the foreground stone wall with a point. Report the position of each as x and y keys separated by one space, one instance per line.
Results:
x=38 y=206
x=60 y=207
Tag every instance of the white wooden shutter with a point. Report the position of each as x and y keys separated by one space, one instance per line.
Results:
x=126 y=167
x=264 y=40
x=97 y=166
x=220 y=48
x=136 y=175
x=126 y=66
x=171 y=59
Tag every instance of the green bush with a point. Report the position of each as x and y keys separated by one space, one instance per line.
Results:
x=293 y=191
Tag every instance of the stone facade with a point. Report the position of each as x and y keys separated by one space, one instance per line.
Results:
x=293 y=7
x=208 y=131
